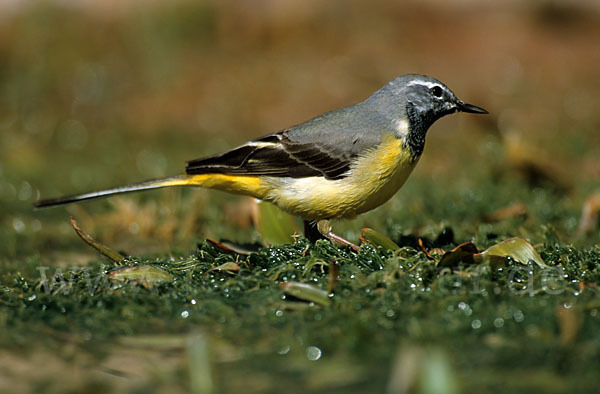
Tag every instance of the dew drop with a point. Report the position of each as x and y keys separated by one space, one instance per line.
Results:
x=313 y=353
x=518 y=316
x=18 y=225
x=25 y=191
x=284 y=350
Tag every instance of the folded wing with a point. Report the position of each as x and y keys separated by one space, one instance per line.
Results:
x=276 y=155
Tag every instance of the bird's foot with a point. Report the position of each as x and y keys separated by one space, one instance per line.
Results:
x=325 y=230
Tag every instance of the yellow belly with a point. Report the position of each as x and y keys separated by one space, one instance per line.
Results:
x=375 y=178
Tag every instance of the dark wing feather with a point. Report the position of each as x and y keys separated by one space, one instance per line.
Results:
x=276 y=155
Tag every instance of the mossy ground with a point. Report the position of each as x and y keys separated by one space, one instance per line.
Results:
x=137 y=99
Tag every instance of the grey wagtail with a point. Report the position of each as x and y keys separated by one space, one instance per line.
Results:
x=335 y=166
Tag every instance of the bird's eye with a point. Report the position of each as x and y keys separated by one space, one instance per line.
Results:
x=436 y=91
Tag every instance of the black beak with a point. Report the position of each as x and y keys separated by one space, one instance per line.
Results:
x=470 y=108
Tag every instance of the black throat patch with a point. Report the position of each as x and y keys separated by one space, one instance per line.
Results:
x=417 y=129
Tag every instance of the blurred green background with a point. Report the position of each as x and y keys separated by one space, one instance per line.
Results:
x=99 y=93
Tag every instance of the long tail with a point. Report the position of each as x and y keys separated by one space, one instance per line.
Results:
x=239 y=184
x=177 y=180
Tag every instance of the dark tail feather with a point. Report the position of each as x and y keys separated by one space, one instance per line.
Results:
x=178 y=180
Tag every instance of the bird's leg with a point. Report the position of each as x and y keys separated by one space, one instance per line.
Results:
x=311 y=232
x=324 y=228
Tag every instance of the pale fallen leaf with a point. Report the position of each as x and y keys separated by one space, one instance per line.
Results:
x=306 y=292
x=368 y=235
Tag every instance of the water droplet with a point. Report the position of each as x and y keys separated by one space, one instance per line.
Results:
x=18 y=225
x=476 y=324
x=25 y=191
x=498 y=322
x=278 y=313
x=193 y=301
x=284 y=350
x=31 y=297
x=313 y=353
x=497 y=290
x=518 y=316
x=390 y=313
x=567 y=305
x=185 y=314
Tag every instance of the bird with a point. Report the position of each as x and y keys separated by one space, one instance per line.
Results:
x=336 y=165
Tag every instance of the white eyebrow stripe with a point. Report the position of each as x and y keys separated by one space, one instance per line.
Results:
x=425 y=83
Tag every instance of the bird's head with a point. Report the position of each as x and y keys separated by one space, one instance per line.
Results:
x=418 y=101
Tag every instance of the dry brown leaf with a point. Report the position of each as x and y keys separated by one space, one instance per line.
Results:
x=231 y=247
x=103 y=249
x=589 y=214
x=568 y=323
x=464 y=252
x=516 y=248
x=511 y=211
x=535 y=164
x=334 y=270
